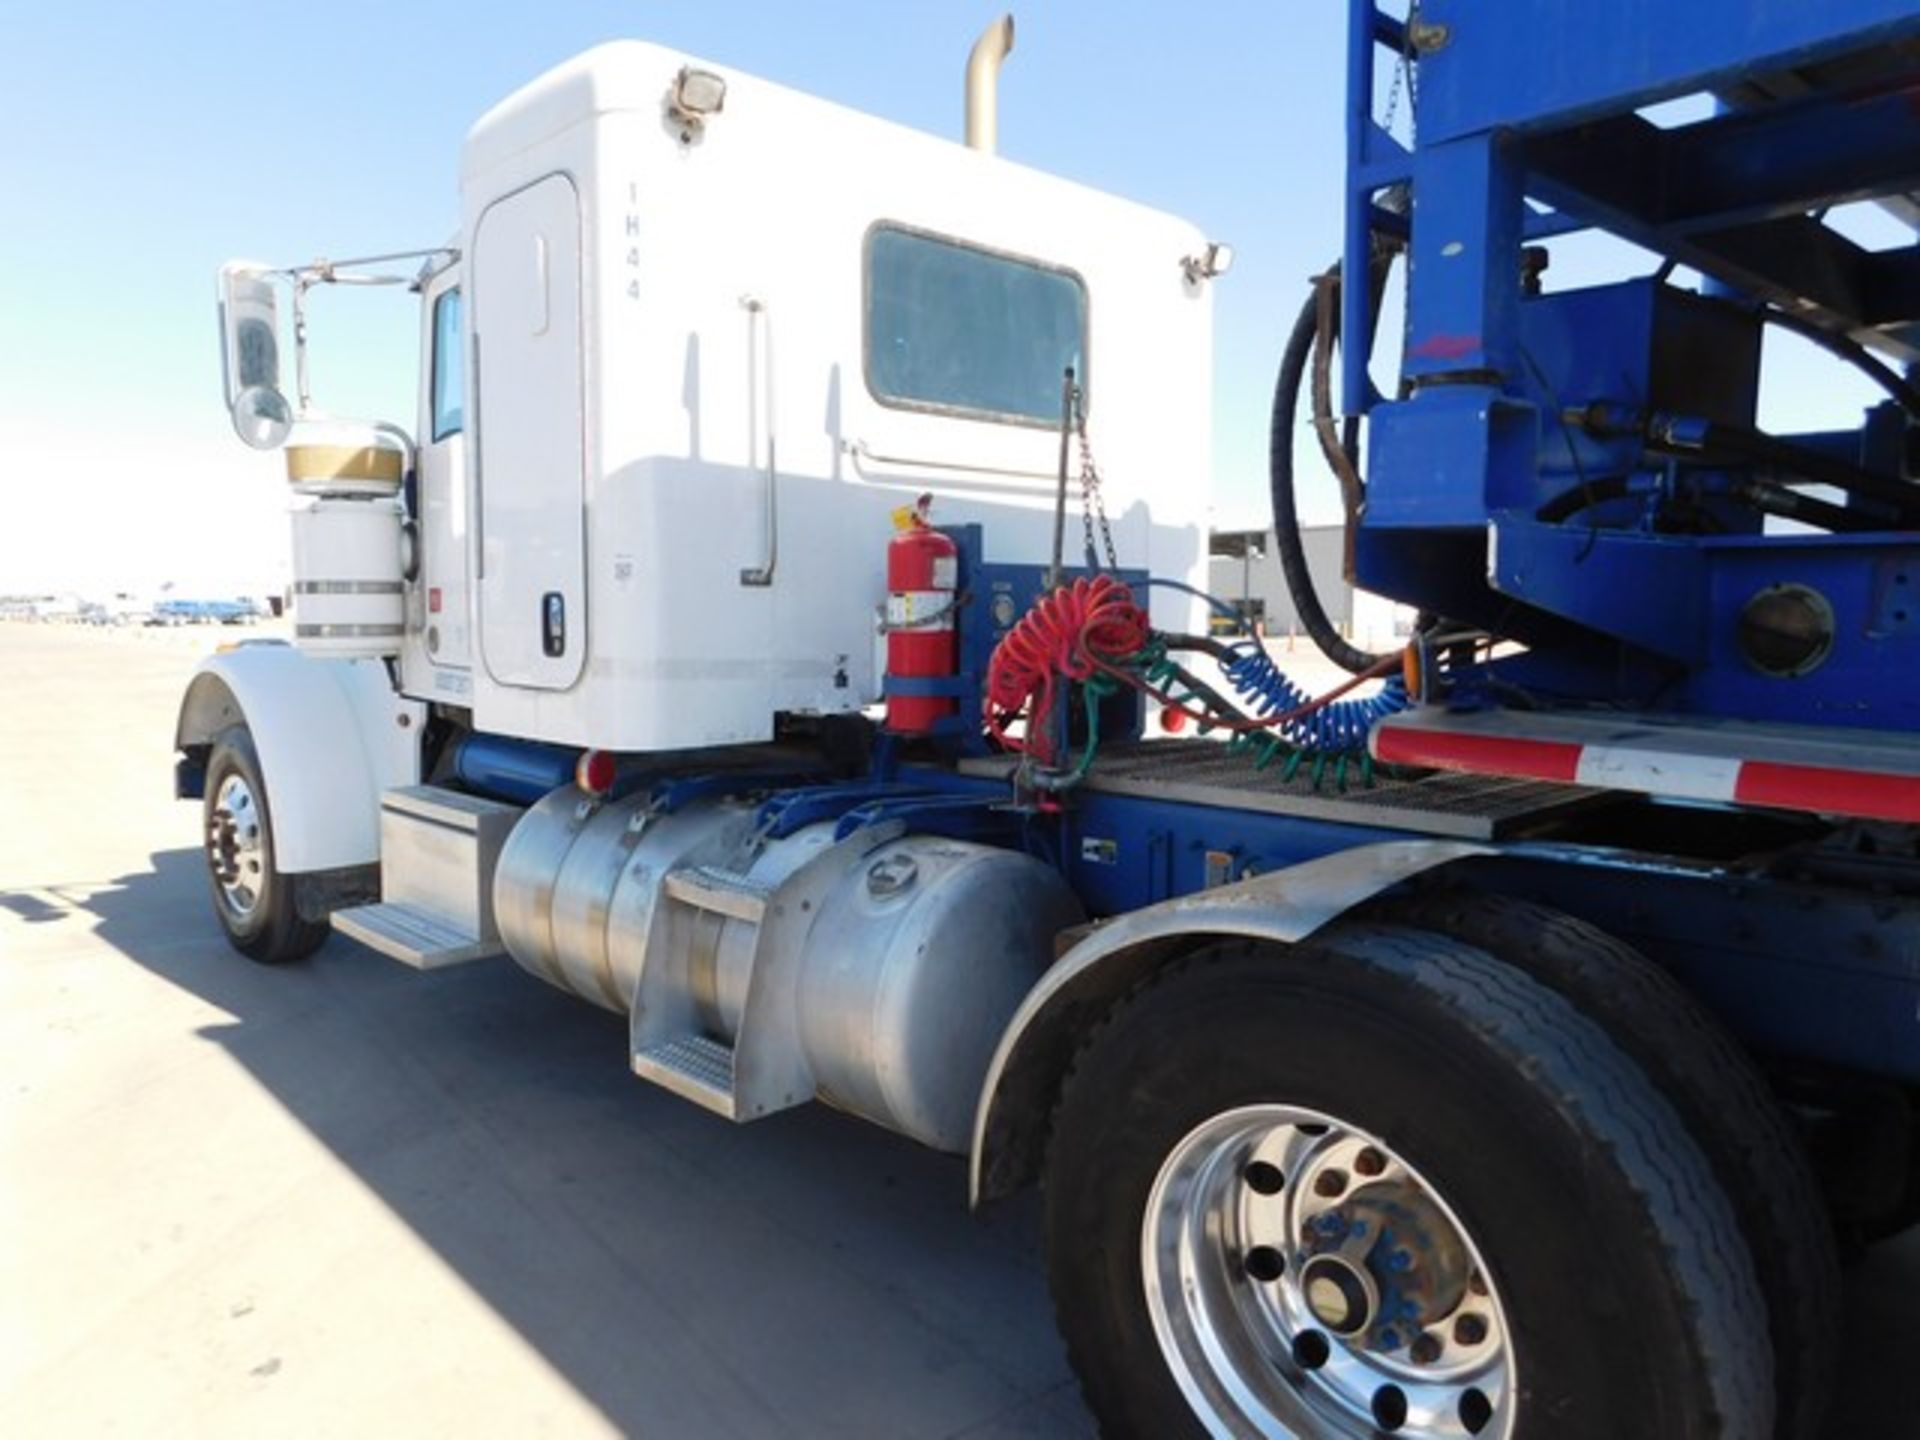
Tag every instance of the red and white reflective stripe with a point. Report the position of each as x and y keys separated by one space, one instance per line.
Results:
x=920 y=610
x=1834 y=792
x=1874 y=795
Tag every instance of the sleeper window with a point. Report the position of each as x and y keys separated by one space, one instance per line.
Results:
x=961 y=330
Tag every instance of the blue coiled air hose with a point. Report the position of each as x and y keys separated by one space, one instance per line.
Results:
x=1333 y=729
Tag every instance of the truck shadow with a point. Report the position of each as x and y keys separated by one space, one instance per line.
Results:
x=808 y=1275
x=805 y=1275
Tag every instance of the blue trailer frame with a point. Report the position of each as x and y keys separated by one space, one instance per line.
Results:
x=1527 y=128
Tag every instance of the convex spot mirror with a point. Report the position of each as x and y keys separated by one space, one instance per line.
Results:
x=262 y=417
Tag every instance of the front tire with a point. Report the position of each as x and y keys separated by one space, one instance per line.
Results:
x=1487 y=1156
x=256 y=903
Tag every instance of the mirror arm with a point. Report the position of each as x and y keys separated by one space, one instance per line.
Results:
x=303 y=392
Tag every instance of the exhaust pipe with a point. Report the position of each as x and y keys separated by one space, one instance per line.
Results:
x=983 y=84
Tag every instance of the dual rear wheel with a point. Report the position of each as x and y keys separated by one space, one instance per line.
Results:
x=1394 y=1183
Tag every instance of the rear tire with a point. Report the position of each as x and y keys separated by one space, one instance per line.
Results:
x=256 y=903
x=1615 y=1276
x=1722 y=1099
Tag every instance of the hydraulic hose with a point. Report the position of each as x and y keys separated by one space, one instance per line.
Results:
x=1294 y=362
x=1714 y=441
x=1850 y=350
x=1569 y=503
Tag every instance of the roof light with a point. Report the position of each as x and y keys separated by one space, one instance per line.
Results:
x=696 y=95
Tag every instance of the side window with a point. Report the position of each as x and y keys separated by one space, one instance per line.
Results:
x=953 y=328
x=449 y=413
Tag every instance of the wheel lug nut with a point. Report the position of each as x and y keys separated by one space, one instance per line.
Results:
x=1330 y=1183
x=1469 y=1330
x=1369 y=1162
x=1329 y=1226
x=1477 y=1283
x=1425 y=1350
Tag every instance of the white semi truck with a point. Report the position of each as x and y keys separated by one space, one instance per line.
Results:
x=1355 y=1112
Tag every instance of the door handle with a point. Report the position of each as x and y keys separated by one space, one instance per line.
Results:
x=759 y=393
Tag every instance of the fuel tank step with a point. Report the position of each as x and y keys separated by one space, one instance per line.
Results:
x=724 y=892
x=694 y=1067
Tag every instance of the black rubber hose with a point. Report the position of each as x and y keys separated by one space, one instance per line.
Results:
x=1855 y=354
x=1286 y=514
x=1569 y=503
x=1715 y=442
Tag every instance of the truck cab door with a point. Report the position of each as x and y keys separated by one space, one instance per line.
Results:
x=527 y=425
x=444 y=517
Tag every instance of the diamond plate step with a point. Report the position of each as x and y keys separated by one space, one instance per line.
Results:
x=1205 y=772
x=706 y=887
x=693 y=1067
x=413 y=935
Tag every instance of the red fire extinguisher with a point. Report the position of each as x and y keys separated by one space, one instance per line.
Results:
x=923 y=570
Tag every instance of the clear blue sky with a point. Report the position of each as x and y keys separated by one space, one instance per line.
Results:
x=146 y=144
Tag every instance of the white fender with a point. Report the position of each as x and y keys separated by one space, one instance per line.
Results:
x=331 y=735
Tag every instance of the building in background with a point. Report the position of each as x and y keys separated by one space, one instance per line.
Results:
x=1243 y=569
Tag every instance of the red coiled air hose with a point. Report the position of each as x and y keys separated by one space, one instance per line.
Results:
x=1051 y=641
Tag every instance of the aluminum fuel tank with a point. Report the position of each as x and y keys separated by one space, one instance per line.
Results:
x=900 y=985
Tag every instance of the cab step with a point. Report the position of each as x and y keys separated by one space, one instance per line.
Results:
x=438 y=852
x=414 y=935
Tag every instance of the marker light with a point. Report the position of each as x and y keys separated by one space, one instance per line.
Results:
x=595 y=772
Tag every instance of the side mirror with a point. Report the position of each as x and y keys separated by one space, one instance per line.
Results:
x=250 y=354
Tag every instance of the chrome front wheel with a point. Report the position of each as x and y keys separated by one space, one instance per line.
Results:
x=258 y=905
x=235 y=855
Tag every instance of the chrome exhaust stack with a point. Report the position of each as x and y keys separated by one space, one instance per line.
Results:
x=983 y=84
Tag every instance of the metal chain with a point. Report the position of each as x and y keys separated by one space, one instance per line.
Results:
x=1092 y=503
x=1407 y=72
x=1408 y=65
x=1393 y=96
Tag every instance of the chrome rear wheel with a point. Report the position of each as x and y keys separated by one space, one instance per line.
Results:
x=1385 y=1185
x=1304 y=1280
